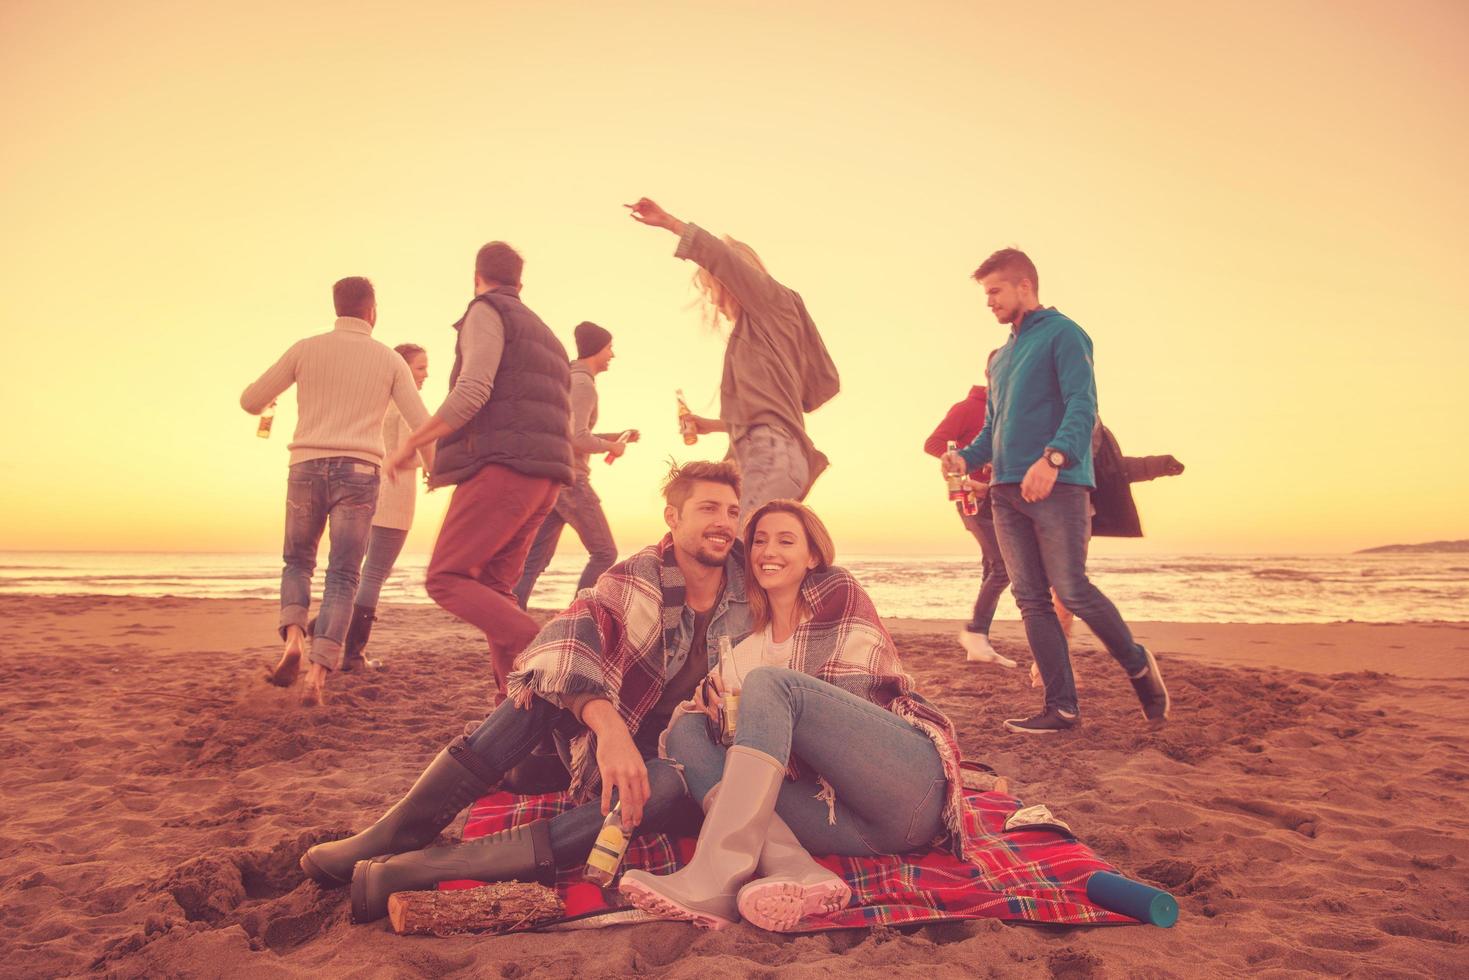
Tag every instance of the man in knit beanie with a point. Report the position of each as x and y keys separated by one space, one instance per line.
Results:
x=579 y=504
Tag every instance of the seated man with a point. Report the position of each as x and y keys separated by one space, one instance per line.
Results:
x=608 y=672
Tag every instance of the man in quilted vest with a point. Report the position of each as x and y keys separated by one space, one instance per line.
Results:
x=504 y=445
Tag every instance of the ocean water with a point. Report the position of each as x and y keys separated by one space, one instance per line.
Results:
x=1180 y=588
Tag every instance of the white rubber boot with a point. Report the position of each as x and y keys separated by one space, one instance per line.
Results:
x=706 y=890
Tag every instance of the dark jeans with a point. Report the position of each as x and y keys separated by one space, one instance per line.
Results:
x=509 y=734
x=384 y=545
x=994 y=577
x=1045 y=545
x=579 y=506
x=339 y=493
x=888 y=780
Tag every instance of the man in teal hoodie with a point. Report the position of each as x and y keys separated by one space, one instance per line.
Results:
x=1038 y=437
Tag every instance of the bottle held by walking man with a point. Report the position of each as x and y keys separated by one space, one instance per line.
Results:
x=267 y=419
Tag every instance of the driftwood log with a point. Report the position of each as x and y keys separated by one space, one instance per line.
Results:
x=504 y=906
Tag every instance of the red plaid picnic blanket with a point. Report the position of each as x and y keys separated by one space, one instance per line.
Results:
x=1031 y=875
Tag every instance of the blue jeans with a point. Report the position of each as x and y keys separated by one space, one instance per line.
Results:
x=888 y=778
x=772 y=466
x=994 y=577
x=340 y=493
x=579 y=506
x=384 y=545
x=1045 y=545
x=509 y=734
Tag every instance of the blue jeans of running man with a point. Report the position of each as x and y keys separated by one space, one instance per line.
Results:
x=509 y=734
x=993 y=578
x=888 y=779
x=771 y=466
x=579 y=506
x=337 y=494
x=1045 y=546
x=384 y=545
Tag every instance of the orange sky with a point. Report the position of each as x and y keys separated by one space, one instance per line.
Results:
x=1257 y=211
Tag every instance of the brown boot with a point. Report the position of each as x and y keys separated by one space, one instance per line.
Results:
x=789 y=885
x=706 y=890
x=455 y=779
x=518 y=854
x=359 y=630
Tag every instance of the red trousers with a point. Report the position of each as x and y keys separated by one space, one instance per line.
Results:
x=480 y=554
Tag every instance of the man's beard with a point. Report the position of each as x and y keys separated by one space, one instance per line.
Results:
x=703 y=556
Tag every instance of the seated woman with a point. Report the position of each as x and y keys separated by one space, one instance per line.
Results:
x=833 y=752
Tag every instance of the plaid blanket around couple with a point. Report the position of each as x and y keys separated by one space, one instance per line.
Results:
x=1030 y=875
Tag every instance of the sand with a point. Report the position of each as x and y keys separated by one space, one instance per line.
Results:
x=1308 y=804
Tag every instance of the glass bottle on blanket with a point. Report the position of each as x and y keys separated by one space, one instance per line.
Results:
x=608 y=851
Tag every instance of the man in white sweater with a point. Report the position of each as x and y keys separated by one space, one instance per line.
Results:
x=344 y=380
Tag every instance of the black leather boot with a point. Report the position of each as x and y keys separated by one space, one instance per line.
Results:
x=455 y=779
x=358 y=630
x=518 y=854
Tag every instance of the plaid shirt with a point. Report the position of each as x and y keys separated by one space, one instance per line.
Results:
x=618 y=640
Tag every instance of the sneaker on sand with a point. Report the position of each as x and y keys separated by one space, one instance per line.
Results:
x=977 y=650
x=1150 y=690
x=1048 y=722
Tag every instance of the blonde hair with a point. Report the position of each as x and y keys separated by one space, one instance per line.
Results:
x=717 y=298
x=818 y=540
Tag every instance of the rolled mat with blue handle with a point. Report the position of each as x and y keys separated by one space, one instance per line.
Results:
x=1127 y=897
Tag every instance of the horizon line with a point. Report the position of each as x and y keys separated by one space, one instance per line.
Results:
x=858 y=554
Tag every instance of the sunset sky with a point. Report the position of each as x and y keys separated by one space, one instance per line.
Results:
x=1257 y=211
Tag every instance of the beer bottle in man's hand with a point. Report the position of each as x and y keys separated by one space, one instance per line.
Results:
x=267 y=417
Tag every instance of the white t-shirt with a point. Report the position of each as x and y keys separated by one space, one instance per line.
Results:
x=755 y=650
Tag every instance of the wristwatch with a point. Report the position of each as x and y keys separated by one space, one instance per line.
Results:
x=1055 y=457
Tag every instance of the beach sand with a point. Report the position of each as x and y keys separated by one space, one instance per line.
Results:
x=1308 y=803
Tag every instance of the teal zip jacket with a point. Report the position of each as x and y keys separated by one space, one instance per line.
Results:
x=1043 y=392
